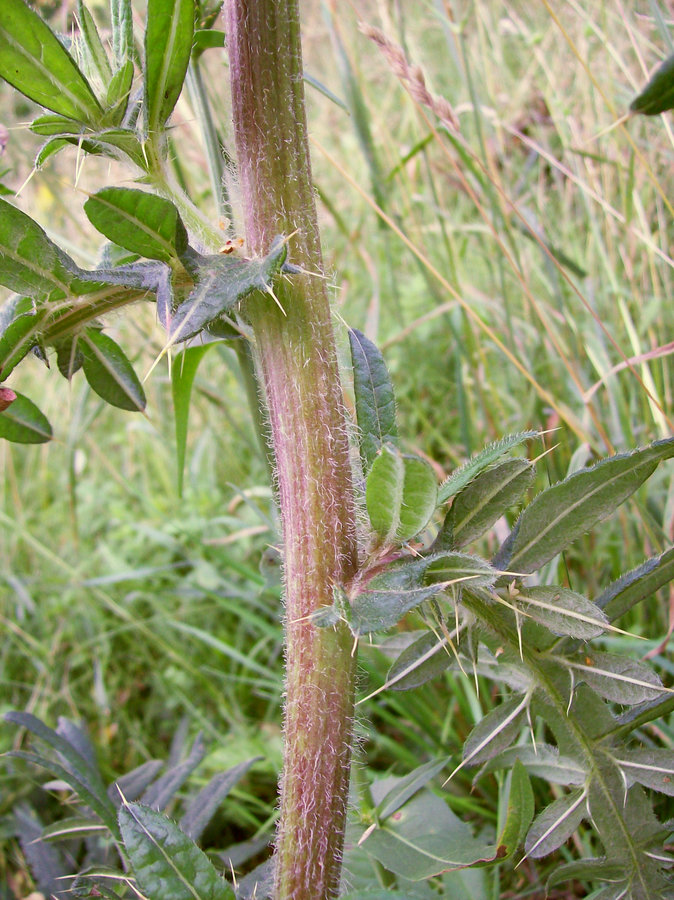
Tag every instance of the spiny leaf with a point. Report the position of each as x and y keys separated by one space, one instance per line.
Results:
x=222 y=281
x=658 y=95
x=36 y=63
x=117 y=94
x=560 y=514
x=23 y=423
x=183 y=372
x=375 y=401
x=543 y=761
x=168 y=44
x=167 y=864
x=423 y=660
x=493 y=733
x=92 y=49
x=400 y=494
x=109 y=372
x=481 y=461
x=563 y=612
x=555 y=825
x=407 y=787
x=618 y=679
x=652 y=767
x=121 y=17
x=519 y=812
x=138 y=221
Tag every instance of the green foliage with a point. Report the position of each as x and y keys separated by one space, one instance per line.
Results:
x=375 y=402
x=658 y=95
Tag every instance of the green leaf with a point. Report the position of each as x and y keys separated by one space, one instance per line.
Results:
x=121 y=17
x=68 y=356
x=119 y=88
x=183 y=371
x=51 y=123
x=462 y=476
x=556 y=824
x=616 y=678
x=543 y=761
x=109 y=372
x=423 y=660
x=375 y=401
x=138 y=221
x=484 y=500
x=17 y=340
x=560 y=514
x=424 y=838
x=658 y=95
x=207 y=39
x=637 y=585
x=495 y=731
x=400 y=494
x=519 y=812
x=563 y=612
x=222 y=281
x=168 y=44
x=30 y=263
x=93 y=51
x=36 y=63
x=460 y=568
x=23 y=423
x=167 y=864
x=164 y=789
x=78 y=827
x=406 y=787
x=652 y=767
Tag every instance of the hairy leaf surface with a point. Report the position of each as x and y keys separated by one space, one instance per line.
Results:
x=374 y=397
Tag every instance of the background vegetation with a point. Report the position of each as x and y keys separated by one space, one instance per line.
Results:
x=505 y=270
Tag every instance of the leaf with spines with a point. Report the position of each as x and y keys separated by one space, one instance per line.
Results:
x=109 y=372
x=658 y=95
x=616 y=678
x=222 y=281
x=95 y=58
x=556 y=823
x=138 y=221
x=374 y=398
x=423 y=660
x=121 y=20
x=562 y=611
x=23 y=423
x=483 y=501
x=400 y=494
x=407 y=786
x=166 y=863
x=651 y=767
x=118 y=91
x=561 y=513
x=35 y=62
x=490 y=454
x=168 y=44
x=494 y=732
x=543 y=761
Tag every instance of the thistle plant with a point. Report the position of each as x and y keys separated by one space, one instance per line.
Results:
x=343 y=580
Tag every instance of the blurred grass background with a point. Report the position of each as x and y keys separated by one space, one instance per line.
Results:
x=516 y=270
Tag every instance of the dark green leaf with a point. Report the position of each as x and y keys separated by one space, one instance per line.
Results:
x=17 y=340
x=485 y=499
x=131 y=785
x=459 y=568
x=167 y=864
x=375 y=401
x=462 y=476
x=36 y=63
x=158 y=795
x=495 y=731
x=109 y=372
x=637 y=585
x=206 y=39
x=400 y=494
x=68 y=356
x=182 y=377
x=140 y=222
x=589 y=869
x=556 y=824
x=168 y=44
x=543 y=761
x=23 y=423
x=560 y=514
x=658 y=95
x=222 y=281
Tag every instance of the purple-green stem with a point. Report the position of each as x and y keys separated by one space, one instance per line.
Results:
x=297 y=361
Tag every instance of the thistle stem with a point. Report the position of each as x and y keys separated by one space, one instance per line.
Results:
x=297 y=361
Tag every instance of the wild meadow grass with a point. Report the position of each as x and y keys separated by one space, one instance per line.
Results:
x=517 y=272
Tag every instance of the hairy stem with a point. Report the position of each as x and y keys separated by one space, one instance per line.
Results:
x=297 y=361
